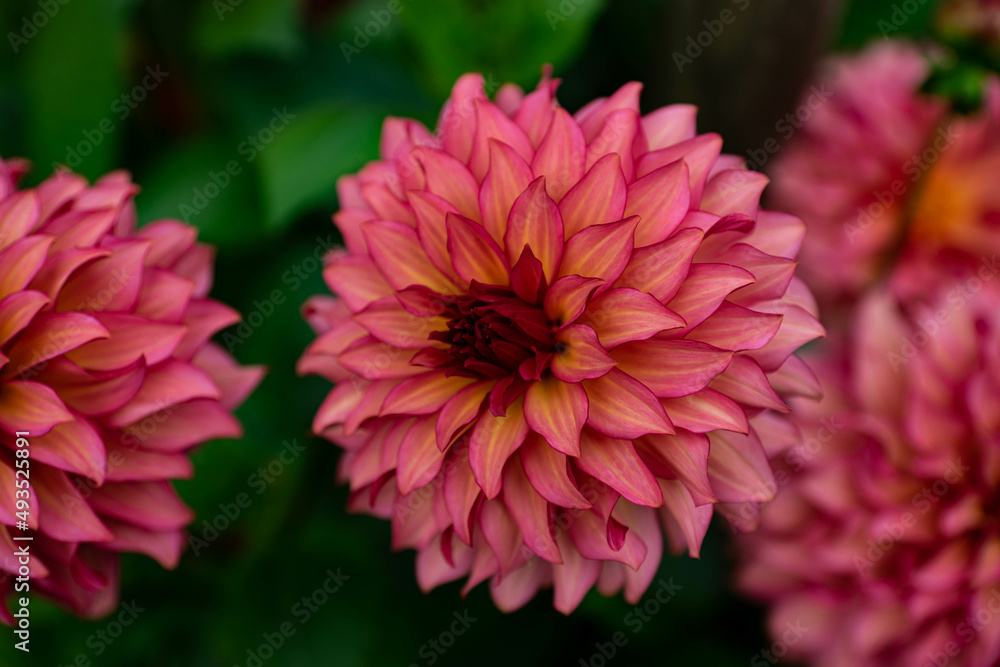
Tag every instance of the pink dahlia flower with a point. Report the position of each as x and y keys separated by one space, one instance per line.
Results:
x=105 y=363
x=883 y=544
x=851 y=171
x=545 y=322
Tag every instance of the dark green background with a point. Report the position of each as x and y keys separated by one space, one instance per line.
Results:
x=226 y=73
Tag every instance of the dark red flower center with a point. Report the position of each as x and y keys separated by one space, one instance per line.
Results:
x=492 y=333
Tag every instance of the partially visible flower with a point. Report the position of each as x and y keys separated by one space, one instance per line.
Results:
x=852 y=170
x=105 y=362
x=971 y=21
x=884 y=541
x=546 y=324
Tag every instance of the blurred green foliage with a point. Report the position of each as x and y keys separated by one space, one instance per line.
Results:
x=203 y=144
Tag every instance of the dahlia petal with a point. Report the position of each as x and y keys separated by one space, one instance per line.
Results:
x=508 y=98
x=17 y=310
x=643 y=522
x=389 y=322
x=535 y=111
x=460 y=410
x=79 y=229
x=433 y=569
x=699 y=153
x=574 y=577
x=502 y=535
x=568 y=296
x=419 y=458
x=451 y=180
x=372 y=359
x=203 y=319
x=535 y=222
x=625 y=314
x=8 y=501
x=778 y=234
x=170 y=240
x=235 y=382
x=514 y=591
x=797 y=328
x=581 y=355
x=131 y=338
x=131 y=464
x=597 y=199
x=461 y=493
x=51 y=335
x=561 y=157
x=669 y=125
x=593 y=116
x=396 y=251
x=493 y=440
x=733 y=327
x=616 y=463
x=386 y=205
x=734 y=191
x=196 y=265
x=93 y=395
x=589 y=534
x=492 y=123
x=616 y=137
x=530 y=511
x=623 y=407
x=506 y=179
x=557 y=411
x=167 y=383
x=527 y=278
x=738 y=468
x=430 y=211
x=771 y=274
x=681 y=367
x=423 y=394
x=685 y=455
x=548 y=471
x=163 y=547
x=474 y=254
x=661 y=200
x=795 y=378
x=706 y=410
x=705 y=288
x=32 y=407
x=600 y=251
x=744 y=382
x=151 y=505
x=20 y=261
x=338 y=404
x=65 y=515
x=457 y=125
x=686 y=523
x=110 y=284
x=164 y=297
x=74 y=447
x=18 y=214
x=660 y=269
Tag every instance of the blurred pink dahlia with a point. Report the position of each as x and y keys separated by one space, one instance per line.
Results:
x=105 y=362
x=852 y=170
x=883 y=543
x=545 y=322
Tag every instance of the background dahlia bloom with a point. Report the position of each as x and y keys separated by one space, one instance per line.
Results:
x=105 y=361
x=839 y=171
x=545 y=322
x=885 y=541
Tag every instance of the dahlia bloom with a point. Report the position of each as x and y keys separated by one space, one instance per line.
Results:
x=105 y=362
x=544 y=323
x=884 y=540
x=852 y=169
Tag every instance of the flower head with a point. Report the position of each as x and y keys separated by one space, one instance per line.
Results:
x=545 y=322
x=885 y=541
x=851 y=171
x=105 y=364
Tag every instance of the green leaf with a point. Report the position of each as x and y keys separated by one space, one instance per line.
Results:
x=209 y=184
x=507 y=41
x=73 y=68
x=230 y=27
x=300 y=168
